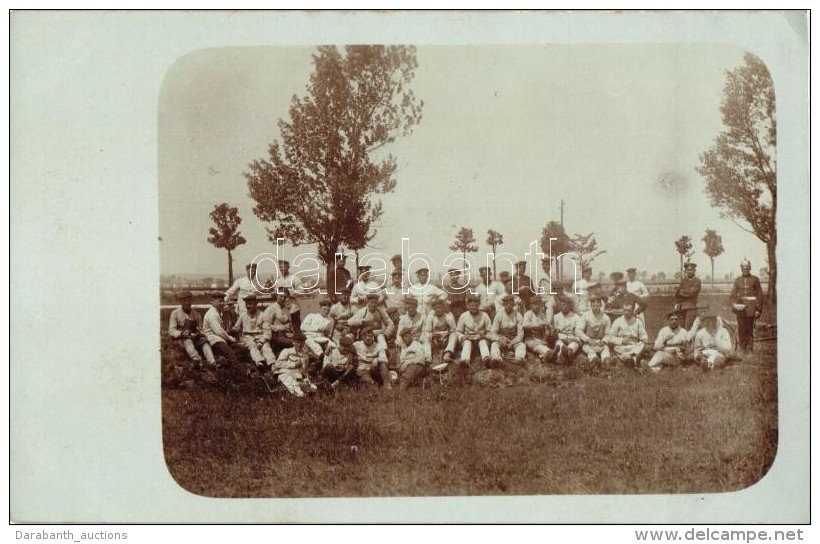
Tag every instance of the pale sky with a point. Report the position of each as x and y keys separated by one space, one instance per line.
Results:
x=506 y=133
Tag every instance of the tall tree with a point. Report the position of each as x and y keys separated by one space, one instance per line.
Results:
x=712 y=246
x=320 y=185
x=561 y=244
x=586 y=247
x=226 y=234
x=684 y=247
x=740 y=168
x=494 y=239
x=464 y=242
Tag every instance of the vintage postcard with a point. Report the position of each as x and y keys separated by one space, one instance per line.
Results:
x=455 y=267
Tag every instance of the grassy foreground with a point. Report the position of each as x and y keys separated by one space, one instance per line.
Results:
x=567 y=432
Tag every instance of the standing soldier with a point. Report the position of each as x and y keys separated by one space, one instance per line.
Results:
x=340 y=279
x=243 y=287
x=522 y=285
x=581 y=288
x=488 y=290
x=687 y=293
x=747 y=304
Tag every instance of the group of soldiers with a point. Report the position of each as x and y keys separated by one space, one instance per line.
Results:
x=367 y=333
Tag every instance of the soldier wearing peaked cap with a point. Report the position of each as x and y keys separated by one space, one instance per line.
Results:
x=686 y=295
x=747 y=303
x=186 y=327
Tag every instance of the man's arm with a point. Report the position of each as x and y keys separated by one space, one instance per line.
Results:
x=173 y=326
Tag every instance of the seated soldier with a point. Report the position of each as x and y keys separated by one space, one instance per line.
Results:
x=712 y=344
x=371 y=366
x=412 y=320
x=340 y=363
x=621 y=297
x=412 y=359
x=670 y=345
x=536 y=324
x=318 y=328
x=627 y=336
x=507 y=335
x=340 y=313
x=292 y=367
x=565 y=322
x=593 y=326
x=278 y=319
x=289 y=282
x=439 y=333
x=376 y=319
x=186 y=328
x=255 y=335
x=473 y=328
x=215 y=332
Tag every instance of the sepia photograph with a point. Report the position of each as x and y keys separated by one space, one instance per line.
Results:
x=411 y=267
x=401 y=270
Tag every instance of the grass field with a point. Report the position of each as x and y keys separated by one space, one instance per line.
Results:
x=548 y=430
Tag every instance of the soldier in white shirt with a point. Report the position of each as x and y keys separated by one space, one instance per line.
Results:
x=340 y=313
x=425 y=292
x=412 y=360
x=536 y=324
x=372 y=364
x=412 y=320
x=375 y=318
x=363 y=287
x=637 y=288
x=394 y=294
x=489 y=291
x=340 y=363
x=278 y=319
x=507 y=335
x=255 y=335
x=580 y=289
x=474 y=327
x=292 y=365
x=243 y=287
x=592 y=328
x=712 y=344
x=670 y=345
x=565 y=322
x=627 y=336
x=318 y=328
x=288 y=281
x=185 y=327
x=439 y=332
x=215 y=332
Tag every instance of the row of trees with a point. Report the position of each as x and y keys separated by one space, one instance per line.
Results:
x=585 y=247
x=321 y=184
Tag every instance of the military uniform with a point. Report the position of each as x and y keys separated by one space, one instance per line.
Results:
x=686 y=296
x=747 y=292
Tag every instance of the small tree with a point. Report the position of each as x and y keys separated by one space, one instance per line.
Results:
x=586 y=247
x=226 y=234
x=661 y=276
x=712 y=246
x=684 y=247
x=494 y=239
x=464 y=243
x=560 y=245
